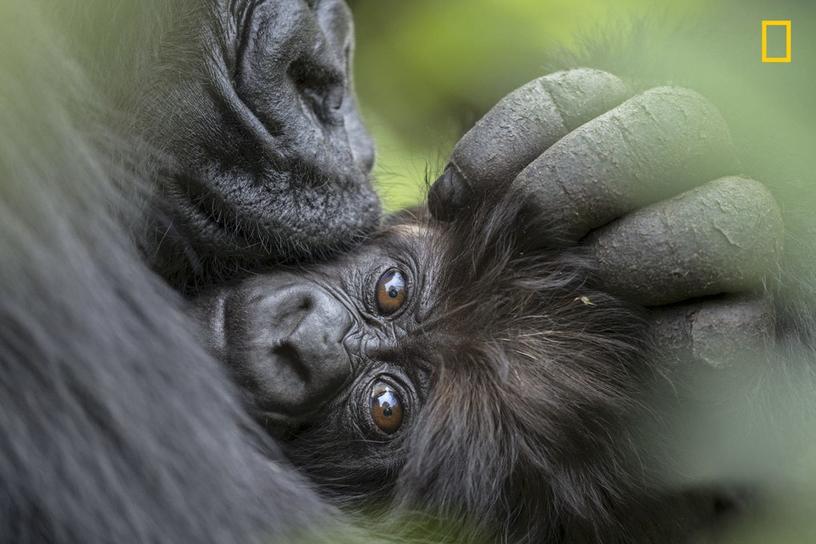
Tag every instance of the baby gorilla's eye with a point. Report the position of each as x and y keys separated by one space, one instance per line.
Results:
x=385 y=407
x=391 y=292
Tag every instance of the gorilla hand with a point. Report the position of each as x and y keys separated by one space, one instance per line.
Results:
x=605 y=169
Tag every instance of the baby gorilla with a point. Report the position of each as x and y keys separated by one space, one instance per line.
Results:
x=465 y=370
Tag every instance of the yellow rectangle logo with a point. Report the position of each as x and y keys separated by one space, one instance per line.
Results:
x=787 y=25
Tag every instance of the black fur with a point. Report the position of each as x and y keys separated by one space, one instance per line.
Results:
x=537 y=371
x=542 y=411
x=526 y=430
x=116 y=425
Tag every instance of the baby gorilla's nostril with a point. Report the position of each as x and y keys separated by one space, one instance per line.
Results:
x=289 y=361
x=285 y=344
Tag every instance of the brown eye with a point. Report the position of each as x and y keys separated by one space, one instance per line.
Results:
x=391 y=292
x=386 y=408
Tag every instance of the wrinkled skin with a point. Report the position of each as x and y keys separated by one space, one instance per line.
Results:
x=295 y=338
x=603 y=165
x=268 y=157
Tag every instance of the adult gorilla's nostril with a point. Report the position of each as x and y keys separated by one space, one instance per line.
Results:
x=333 y=99
x=288 y=347
x=322 y=86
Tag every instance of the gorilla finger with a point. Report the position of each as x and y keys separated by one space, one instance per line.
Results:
x=518 y=129
x=723 y=237
x=651 y=147
x=718 y=333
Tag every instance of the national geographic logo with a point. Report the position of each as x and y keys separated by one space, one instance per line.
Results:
x=776 y=40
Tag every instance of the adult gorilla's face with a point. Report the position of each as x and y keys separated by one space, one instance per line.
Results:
x=253 y=106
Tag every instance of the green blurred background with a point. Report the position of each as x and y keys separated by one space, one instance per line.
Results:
x=426 y=70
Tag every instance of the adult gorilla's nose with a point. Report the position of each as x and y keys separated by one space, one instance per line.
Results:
x=283 y=341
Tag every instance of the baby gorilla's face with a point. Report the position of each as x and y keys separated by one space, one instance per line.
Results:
x=457 y=368
x=323 y=346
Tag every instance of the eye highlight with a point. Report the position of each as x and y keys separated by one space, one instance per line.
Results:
x=391 y=292
x=385 y=407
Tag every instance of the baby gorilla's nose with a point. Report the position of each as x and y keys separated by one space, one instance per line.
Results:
x=307 y=361
x=284 y=343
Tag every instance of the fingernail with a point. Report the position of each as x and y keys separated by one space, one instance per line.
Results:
x=448 y=194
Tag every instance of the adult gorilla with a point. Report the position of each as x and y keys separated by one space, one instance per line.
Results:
x=149 y=148
x=252 y=104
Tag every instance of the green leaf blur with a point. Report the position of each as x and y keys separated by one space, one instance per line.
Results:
x=426 y=70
